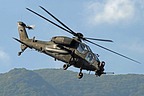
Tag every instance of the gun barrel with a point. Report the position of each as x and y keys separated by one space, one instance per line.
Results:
x=108 y=73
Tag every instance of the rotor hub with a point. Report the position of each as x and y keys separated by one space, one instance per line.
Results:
x=80 y=35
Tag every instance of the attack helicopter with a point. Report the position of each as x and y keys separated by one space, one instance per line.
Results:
x=71 y=51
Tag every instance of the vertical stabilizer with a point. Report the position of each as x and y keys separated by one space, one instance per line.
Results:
x=22 y=35
x=22 y=31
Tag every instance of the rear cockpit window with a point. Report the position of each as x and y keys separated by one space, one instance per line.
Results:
x=82 y=48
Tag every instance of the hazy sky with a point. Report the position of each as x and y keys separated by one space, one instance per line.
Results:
x=119 y=20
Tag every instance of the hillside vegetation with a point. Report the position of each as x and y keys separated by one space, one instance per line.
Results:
x=57 y=82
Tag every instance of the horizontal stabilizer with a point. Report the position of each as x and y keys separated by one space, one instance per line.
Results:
x=22 y=42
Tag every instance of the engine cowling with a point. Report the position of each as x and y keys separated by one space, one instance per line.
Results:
x=62 y=40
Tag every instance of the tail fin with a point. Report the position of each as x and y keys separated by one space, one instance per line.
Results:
x=22 y=31
x=23 y=36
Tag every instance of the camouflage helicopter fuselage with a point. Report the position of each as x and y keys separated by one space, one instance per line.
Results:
x=69 y=50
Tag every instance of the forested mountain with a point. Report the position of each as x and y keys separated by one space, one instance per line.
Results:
x=57 y=82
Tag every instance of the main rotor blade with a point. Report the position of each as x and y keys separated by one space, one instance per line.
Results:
x=113 y=51
x=99 y=39
x=71 y=31
x=48 y=20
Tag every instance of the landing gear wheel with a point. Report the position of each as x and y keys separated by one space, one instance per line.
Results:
x=80 y=75
x=65 y=66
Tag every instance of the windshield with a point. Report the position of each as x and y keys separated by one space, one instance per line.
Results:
x=96 y=56
x=89 y=57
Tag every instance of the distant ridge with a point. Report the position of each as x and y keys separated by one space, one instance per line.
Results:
x=57 y=82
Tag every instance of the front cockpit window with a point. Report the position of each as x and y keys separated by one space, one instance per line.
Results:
x=89 y=57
